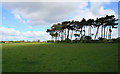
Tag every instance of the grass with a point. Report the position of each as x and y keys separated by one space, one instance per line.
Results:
x=36 y=57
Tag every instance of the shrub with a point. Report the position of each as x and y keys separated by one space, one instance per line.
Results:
x=75 y=41
x=118 y=39
x=110 y=41
x=114 y=40
x=62 y=41
x=68 y=41
x=57 y=41
x=50 y=41
x=86 y=39
x=101 y=39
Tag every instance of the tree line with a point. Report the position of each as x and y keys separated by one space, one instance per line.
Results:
x=21 y=41
x=67 y=29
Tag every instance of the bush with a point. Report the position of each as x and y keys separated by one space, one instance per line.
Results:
x=105 y=40
x=68 y=41
x=118 y=39
x=50 y=41
x=94 y=41
x=110 y=41
x=2 y=41
x=101 y=39
x=62 y=41
x=38 y=40
x=57 y=41
x=75 y=41
x=86 y=39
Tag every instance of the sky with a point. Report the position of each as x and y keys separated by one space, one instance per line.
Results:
x=30 y=20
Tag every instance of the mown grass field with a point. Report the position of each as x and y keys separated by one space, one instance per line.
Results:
x=49 y=57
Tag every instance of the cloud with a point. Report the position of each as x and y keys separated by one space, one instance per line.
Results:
x=9 y=31
x=47 y=13
x=19 y=18
x=12 y=34
x=115 y=33
x=44 y=13
x=96 y=9
x=36 y=35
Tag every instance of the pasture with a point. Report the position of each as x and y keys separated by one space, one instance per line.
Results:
x=60 y=57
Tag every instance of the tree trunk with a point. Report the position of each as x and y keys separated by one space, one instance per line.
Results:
x=52 y=37
x=65 y=34
x=110 y=32
x=56 y=38
x=58 y=35
x=68 y=34
x=110 y=35
x=71 y=34
x=107 y=32
x=102 y=31
x=96 y=32
x=80 y=33
x=62 y=35
x=90 y=31
x=84 y=30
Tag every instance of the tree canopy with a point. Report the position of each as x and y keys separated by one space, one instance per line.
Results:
x=79 y=29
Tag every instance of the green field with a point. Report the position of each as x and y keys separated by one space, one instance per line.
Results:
x=49 y=57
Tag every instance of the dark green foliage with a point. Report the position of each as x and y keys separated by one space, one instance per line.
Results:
x=76 y=41
x=65 y=30
x=115 y=40
x=2 y=41
x=118 y=39
x=67 y=40
x=87 y=39
x=50 y=41
x=101 y=39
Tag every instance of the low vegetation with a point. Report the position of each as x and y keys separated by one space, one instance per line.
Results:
x=60 y=57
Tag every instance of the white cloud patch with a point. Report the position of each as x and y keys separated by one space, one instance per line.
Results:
x=36 y=35
x=9 y=31
x=47 y=13
x=12 y=34
x=42 y=13
x=115 y=33
x=96 y=10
